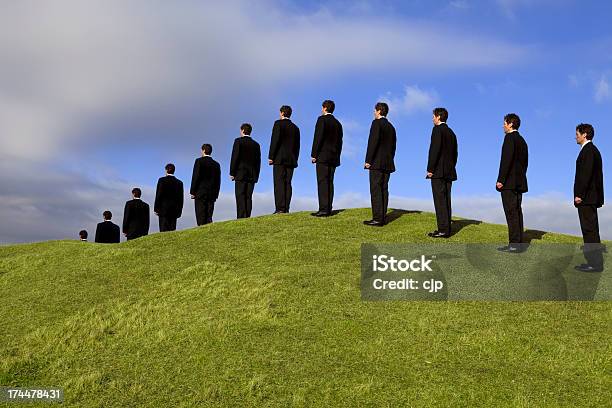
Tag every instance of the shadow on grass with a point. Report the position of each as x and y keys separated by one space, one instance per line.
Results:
x=458 y=225
x=396 y=213
x=335 y=212
x=530 y=235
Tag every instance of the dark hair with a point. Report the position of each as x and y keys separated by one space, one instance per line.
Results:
x=207 y=148
x=136 y=192
x=442 y=113
x=286 y=111
x=107 y=215
x=382 y=107
x=514 y=120
x=246 y=128
x=329 y=106
x=83 y=234
x=170 y=168
x=586 y=128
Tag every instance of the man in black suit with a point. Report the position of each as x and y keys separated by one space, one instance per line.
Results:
x=326 y=149
x=379 y=161
x=512 y=181
x=283 y=157
x=205 y=185
x=441 y=170
x=589 y=196
x=136 y=216
x=83 y=235
x=244 y=169
x=107 y=232
x=168 y=204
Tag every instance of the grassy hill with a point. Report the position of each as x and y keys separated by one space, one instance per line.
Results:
x=267 y=312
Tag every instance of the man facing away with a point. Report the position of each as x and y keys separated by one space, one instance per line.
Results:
x=244 y=170
x=379 y=161
x=168 y=204
x=512 y=181
x=107 y=232
x=441 y=170
x=136 y=216
x=205 y=185
x=326 y=149
x=83 y=235
x=283 y=157
x=589 y=196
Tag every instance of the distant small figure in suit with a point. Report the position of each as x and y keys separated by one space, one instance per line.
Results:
x=283 y=157
x=441 y=170
x=136 y=216
x=326 y=150
x=107 y=232
x=379 y=161
x=168 y=199
x=512 y=181
x=589 y=196
x=83 y=235
x=244 y=169
x=205 y=185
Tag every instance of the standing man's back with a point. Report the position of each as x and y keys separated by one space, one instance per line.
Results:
x=136 y=216
x=205 y=185
x=169 y=199
x=326 y=150
x=283 y=157
x=107 y=232
x=245 y=165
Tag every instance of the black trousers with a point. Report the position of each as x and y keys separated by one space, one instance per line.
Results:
x=325 y=184
x=379 y=194
x=167 y=223
x=204 y=211
x=589 y=224
x=441 y=190
x=512 y=201
x=282 y=186
x=244 y=198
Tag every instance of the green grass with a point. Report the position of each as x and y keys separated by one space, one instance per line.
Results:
x=267 y=312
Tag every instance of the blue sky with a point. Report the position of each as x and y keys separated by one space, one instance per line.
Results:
x=95 y=97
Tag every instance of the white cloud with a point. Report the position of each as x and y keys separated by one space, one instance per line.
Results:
x=602 y=89
x=413 y=100
x=510 y=8
x=69 y=67
x=460 y=4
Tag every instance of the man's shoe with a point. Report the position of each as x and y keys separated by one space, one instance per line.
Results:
x=438 y=234
x=587 y=268
x=320 y=214
x=279 y=212
x=374 y=223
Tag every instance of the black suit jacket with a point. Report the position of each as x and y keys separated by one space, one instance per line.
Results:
x=206 y=179
x=246 y=160
x=136 y=218
x=108 y=233
x=285 y=143
x=442 y=159
x=327 y=143
x=513 y=163
x=381 y=146
x=169 y=197
x=588 y=182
